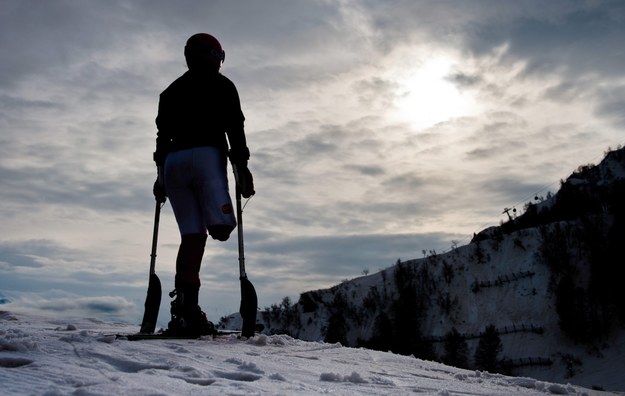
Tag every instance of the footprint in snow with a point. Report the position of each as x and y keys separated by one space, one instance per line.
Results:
x=12 y=362
x=245 y=366
x=354 y=378
x=237 y=376
x=128 y=366
x=198 y=381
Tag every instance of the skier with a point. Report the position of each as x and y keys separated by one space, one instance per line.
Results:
x=199 y=119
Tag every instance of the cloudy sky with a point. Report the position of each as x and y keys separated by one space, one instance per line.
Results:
x=378 y=130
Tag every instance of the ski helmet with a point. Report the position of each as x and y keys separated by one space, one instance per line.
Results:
x=205 y=46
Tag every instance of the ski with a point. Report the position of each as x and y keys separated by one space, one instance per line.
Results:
x=162 y=336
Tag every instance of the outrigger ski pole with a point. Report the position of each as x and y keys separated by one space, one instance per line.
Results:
x=249 y=299
x=153 y=299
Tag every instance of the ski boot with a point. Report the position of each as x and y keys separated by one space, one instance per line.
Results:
x=187 y=318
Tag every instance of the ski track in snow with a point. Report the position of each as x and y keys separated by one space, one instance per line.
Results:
x=47 y=357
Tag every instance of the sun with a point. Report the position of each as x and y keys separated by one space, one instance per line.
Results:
x=425 y=95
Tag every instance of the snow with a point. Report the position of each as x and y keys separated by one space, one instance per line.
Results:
x=44 y=356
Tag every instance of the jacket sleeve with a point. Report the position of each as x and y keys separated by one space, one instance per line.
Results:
x=163 y=134
x=239 y=152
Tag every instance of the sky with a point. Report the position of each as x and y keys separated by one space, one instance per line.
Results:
x=379 y=130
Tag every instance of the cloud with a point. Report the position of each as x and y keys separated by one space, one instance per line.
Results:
x=59 y=303
x=464 y=80
x=612 y=103
x=367 y=170
x=375 y=91
x=34 y=253
x=343 y=183
x=45 y=276
x=59 y=42
x=560 y=38
x=96 y=305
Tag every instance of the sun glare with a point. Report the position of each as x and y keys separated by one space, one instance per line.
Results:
x=426 y=97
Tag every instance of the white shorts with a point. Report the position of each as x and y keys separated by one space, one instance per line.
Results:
x=196 y=182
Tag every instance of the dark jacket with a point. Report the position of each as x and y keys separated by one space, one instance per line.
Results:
x=200 y=110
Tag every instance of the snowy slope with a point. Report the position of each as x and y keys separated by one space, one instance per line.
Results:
x=519 y=300
x=42 y=356
x=499 y=279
